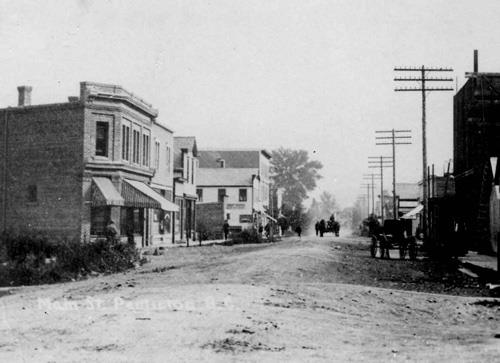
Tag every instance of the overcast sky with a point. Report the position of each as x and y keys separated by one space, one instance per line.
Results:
x=315 y=75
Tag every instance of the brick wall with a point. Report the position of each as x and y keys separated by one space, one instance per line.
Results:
x=41 y=166
x=210 y=215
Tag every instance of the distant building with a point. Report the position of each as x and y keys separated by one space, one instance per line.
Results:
x=407 y=199
x=69 y=168
x=238 y=180
x=186 y=170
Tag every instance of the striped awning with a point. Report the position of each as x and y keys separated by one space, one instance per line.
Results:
x=104 y=193
x=139 y=195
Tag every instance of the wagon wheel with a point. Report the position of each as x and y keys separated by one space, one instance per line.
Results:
x=374 y=247
x=412 y=249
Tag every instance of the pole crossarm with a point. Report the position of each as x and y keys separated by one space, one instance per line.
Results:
x=411 y=89
x=390 y=131
x=392 y=138
x=430 y=79
x=419 y=69
x=396 y=143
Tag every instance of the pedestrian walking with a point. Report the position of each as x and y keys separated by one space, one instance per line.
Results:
x=316 y=227
x=298 y=229
x=267 y=229
x=225 y=229
x=322 y=227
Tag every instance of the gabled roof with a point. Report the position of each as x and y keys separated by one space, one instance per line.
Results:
x=180 y=143
x=232 y=158
x=225 y=177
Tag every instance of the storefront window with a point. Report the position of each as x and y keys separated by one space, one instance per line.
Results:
x=131 y=221
x=99 y=218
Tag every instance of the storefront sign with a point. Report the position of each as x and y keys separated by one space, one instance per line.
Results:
x=246 y=218
x=235 y=206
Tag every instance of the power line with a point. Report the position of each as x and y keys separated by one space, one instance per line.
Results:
x=380 y=162
x=422 y=79
x=396 y=137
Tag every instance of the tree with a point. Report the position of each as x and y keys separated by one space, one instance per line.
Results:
x=295 y=173
x=328 y=205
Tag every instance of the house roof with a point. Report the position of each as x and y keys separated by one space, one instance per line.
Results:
x=233 y=158
x=180 y=143
x=225 y=176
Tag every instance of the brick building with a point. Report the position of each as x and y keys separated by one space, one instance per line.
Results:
x=68 y=168
x=239 y=180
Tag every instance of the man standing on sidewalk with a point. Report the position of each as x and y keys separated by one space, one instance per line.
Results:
x=225 y=229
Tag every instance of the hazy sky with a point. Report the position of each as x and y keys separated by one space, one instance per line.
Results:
x=316 y=75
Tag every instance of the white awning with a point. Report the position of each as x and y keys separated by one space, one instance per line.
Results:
x=163 y=203
x=104 y=193
x=269 y=217
x=411 y=214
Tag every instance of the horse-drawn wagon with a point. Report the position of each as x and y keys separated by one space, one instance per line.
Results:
x=394 y=234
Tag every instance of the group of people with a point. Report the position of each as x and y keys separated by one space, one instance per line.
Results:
x=266 y=229
x=322 y=226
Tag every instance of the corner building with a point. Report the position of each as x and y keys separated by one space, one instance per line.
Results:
x=69 y=168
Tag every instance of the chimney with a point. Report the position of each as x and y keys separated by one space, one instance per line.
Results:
x=24 y=95
x=476 y=68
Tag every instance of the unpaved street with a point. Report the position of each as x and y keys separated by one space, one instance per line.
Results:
x=297 y=300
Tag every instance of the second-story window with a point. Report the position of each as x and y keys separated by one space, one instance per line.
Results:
x=145 y=150
x=193 y=163
x=199 y=193
x=243 y=195
x=136 y=140
x=168 y=159
x=101 y=138
x=221 y=195
x=187 y=167
x=157 y=154
x=32 y=193
x=125 y=142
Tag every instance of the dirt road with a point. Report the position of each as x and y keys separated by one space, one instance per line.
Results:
x=297 y=300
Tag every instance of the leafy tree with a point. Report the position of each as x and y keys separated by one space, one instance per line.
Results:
x=328 y=204
x=295 y=173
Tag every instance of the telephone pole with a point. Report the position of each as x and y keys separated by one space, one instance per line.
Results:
x=380 y=162
x=367 y=185
x=397 y=137
x=371 y=177
x=423 y=79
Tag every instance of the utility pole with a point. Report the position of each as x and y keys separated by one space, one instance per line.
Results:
x=372 y=177
x=367 y=185
x=397 y=137
x=380 y=162
x=423 y=88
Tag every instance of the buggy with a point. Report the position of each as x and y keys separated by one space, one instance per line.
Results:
x=395 y=234
x=333 y=226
